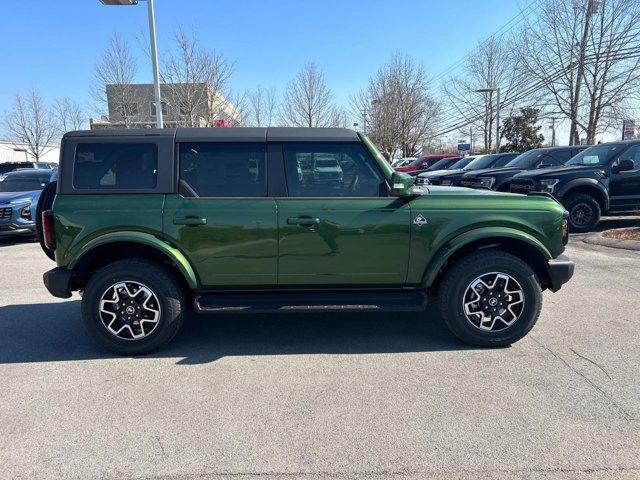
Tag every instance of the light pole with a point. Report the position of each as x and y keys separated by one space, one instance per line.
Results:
x=154 y=52
x=490 y=90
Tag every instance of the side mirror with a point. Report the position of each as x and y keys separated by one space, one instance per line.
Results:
x=623 y=166
x=544 y=165
x=401 y=184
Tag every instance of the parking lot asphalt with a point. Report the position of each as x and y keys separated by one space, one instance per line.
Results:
x=325 y=396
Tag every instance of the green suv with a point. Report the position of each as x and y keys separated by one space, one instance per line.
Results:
x=148 y=224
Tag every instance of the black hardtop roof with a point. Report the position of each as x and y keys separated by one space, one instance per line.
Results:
x=233 y=134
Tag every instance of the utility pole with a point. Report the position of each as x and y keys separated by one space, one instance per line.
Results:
x=553 y=131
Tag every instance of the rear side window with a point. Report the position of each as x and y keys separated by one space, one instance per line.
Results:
x=224 y=169
x=502 y=161
x=115 y=166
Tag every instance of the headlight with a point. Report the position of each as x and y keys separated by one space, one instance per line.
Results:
x=548 y=185
x=446 y=183
x=20 y=200
x=25 y=213
x=488 y=182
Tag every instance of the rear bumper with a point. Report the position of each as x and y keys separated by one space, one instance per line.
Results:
x=560 y=272
x=58 y=282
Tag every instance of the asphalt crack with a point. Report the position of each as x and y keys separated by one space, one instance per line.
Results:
x=592 y=362
x=626 y=414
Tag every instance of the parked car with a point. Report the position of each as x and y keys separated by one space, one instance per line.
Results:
x=7 y=167
x=604 y=179
x=19 y=194
x=327 y=170
x=423 y=163
x=453 y=176
x=187 y=219
x=442 y=164
x=401 y=162
x=499 y=178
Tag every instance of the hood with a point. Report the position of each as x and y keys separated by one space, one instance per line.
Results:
x=553 y=172
x=7 y=197
x=489 y=172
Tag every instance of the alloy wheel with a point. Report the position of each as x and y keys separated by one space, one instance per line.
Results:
x=581 y=214
x=129 y=310
x=493 y=301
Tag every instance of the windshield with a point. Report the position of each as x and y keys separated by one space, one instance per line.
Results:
x=462 y=163
x=23 y=184
x=441 y=164
x=528 y=159
x=482 y=162
x=597 y=155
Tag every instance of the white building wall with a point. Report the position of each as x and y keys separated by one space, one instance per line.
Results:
x=11 y=152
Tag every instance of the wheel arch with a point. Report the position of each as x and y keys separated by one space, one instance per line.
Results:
x=587 y=186
x=518 y=243
x=108 y=248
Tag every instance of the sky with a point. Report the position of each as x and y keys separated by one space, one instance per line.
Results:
x=53 y=45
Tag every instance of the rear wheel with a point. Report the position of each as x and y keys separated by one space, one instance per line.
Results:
x=133 y=306
x=584 y=212
x=490 y=299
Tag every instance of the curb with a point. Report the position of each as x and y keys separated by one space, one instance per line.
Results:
x=598 y=239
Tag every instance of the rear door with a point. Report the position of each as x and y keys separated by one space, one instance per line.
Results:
x=222 y=218
x=340 y=229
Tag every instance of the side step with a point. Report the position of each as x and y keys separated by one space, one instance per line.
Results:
x=309 y=302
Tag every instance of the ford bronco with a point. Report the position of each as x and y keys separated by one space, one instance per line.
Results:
x=147 y=224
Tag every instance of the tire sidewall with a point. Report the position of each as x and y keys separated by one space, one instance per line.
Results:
x=170 y=311
x=532 y=303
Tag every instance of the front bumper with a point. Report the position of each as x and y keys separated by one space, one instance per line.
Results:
x=560 y=272
x=58 y=282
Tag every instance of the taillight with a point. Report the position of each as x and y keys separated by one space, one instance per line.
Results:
x=48 y=234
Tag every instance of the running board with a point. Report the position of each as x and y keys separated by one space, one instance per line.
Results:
x=309 y=302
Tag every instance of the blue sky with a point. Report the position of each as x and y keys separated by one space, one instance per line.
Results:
x=52 y=45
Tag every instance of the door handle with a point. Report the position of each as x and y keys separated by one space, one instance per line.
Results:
x=189 y=220
x=303 y=221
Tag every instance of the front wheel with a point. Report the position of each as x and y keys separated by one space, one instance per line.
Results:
x=133 y=306
x=584 y=212
x=490 y=299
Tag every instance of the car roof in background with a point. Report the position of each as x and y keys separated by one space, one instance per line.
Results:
x=32 y=172
x=230 y=134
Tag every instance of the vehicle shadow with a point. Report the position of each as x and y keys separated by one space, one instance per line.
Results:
x=54 y=332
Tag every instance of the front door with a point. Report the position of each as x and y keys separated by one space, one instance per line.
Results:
x=624 y=187
x=338 y=226
x=222 y=219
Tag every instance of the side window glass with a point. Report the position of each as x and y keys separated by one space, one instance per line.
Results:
x=331 y=170
x=501 y=162
x=561 y=156
x=115 y=166
x=224 y=169
x=633 y=154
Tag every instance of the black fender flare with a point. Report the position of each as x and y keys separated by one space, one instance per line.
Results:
x=585 y=182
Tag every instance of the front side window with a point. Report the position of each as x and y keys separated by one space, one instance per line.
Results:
x=115 y=166
x=331 y=170
x=633 y=154
x=224 y=169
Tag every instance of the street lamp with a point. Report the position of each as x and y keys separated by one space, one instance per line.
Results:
x=490 y=90
x=154 y=52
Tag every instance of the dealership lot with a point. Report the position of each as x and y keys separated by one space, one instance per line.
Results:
x=318 y=396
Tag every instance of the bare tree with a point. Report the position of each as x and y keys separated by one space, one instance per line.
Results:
x=115 y=72
x=583 y=53
x=490 y=64
x=397 y=108
x=69 y=115
x=262 y=107
x=308 y=102
x=31 y=123
x=197 y=81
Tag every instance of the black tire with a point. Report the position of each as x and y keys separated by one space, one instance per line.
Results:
x=580 y=203
x=45 y=202
x=459 y=276
x=154 y=276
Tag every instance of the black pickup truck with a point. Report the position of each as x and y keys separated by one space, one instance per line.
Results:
x=499 y=178
x=602 y=179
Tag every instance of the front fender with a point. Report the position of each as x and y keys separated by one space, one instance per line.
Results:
x=585 y=182
x=144 y=239
x=460 y=241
